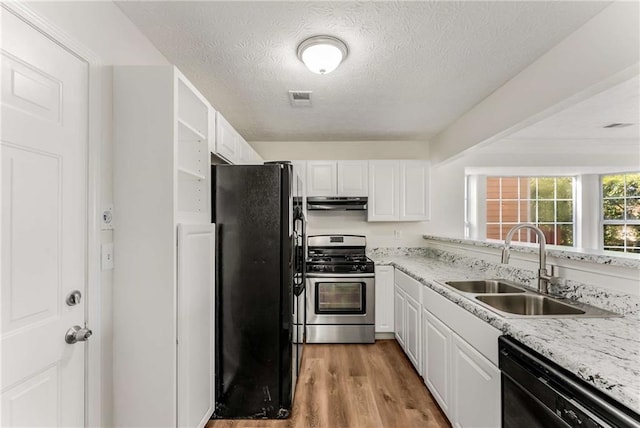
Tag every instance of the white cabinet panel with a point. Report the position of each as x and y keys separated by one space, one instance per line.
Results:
x=398 y=190
x=196 y=276
x=247 y=154
x=398 y=314
x=226 y=140
x=165 y=137
x=322 y=178
x=446 y=345
x=475 y=387
x=414 y=191
x=437 y=359
x=212 y=130
x=408 y=307
x=384 y=299
x=412 y=331
x=300 y=170
x=479 y=334
x=353 y=178
x=383 y=190
x=257 y=159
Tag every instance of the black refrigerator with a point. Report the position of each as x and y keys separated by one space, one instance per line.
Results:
x=259 y=223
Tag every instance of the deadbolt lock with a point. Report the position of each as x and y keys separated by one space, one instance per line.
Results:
x=74 y=298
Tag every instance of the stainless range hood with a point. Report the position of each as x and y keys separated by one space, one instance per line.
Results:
x=337 y=203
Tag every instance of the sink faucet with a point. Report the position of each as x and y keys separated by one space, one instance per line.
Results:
x=543 y=276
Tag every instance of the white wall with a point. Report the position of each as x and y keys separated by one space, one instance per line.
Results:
x=379 y=234
x=101 y=27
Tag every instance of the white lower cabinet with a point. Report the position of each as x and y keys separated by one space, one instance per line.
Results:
x=475 y=384
x=460 y=362
x=399 y=300
x=453 y=350
x=412 y=331
x=407 y=316
x=384 y=296
x=436 y=357
x=465 y=384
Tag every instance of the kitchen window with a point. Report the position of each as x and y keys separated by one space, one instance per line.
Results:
x=621 y=212
x=547 y=202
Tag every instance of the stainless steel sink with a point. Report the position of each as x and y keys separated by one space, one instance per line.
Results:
x=512 y=300
x=485 y=286
x=533 y=304
x=529 y=304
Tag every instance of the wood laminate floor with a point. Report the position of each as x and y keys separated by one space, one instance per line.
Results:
x=355 y=386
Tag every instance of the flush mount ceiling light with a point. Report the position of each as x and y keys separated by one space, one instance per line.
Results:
x=322 y=54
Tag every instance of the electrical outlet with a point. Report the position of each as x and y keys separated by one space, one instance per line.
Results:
x=107 y=217
x=107 y=256
x=397 y=234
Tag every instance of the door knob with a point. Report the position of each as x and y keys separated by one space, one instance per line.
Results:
x=77 y=334
x=74 y=298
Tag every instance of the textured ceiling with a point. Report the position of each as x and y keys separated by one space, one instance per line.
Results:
x=580 y=127
x=413 y=67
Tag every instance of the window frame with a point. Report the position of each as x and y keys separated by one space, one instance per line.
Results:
x=555 y=223
x=602 y=221
x=588 y=226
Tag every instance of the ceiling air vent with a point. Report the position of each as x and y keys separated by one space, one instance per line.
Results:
x=300 y=98
x=617 y=125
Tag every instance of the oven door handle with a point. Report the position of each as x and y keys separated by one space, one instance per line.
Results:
x=354 y=275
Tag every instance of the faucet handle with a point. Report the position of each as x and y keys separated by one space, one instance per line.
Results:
x=505 y=255
x=550 y=274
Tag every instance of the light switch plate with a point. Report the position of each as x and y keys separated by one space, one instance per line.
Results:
x=107 y=217
x=107 y=256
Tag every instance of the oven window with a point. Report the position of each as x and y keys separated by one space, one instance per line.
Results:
x=340 y=298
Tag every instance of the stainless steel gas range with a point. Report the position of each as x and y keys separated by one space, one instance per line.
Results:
x=340 y=290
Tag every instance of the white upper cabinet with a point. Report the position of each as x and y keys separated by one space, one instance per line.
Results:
x=398 y=190
x=231 y=146
x=300 y=169
x=247 y=154
x=383 y=190
x=414 y=191
x=322 y=178
x=257 y=159
x=226 y=140
x=353 y=178
x=337 y=178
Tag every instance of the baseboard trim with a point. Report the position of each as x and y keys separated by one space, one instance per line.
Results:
x=383 y=336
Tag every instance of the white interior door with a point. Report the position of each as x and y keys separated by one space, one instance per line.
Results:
x=44 y=155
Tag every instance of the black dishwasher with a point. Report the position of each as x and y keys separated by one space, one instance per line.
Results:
x=538 y=393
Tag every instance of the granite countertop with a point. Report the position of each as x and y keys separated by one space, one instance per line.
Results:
x=610 y=258
x=605 y=352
